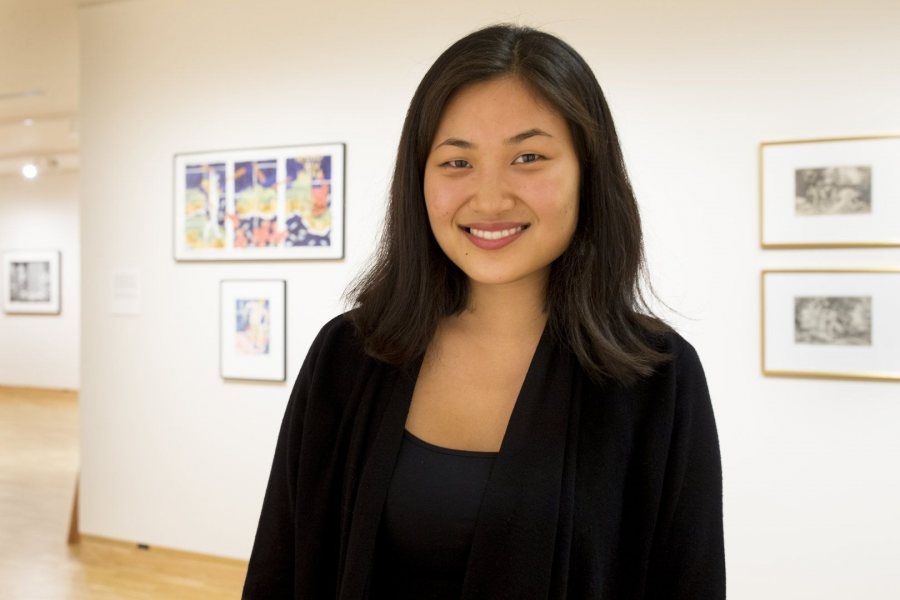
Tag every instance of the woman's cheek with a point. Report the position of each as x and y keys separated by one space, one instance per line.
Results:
x=442 y=201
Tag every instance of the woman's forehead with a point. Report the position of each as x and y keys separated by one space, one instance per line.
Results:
x=498 y=108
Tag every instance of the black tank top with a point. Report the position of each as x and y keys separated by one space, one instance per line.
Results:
x=428 y=521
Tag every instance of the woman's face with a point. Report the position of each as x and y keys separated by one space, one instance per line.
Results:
x=501 y=183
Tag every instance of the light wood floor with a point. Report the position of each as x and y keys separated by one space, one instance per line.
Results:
x=38 y=470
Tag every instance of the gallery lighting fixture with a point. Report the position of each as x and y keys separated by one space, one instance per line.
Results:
x=37 y=165
x=29 y=171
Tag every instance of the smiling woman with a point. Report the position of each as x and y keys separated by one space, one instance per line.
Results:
x=500 y=415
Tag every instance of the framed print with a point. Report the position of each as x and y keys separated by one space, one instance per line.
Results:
x=283 y=203
x=830 y=193
x=252 y=324
x=836 y=324
x=31 y=283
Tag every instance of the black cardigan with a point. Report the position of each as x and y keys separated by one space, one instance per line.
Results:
x=599 y=491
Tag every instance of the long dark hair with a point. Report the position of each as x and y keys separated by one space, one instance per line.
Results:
x=594 y=301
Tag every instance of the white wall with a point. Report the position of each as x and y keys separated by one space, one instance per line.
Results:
x=42 y=214
x=174 y=456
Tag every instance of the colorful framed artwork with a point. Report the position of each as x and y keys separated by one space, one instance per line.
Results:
x=283 y=203
x=252 y=325
x=830 y=193
x=835 y=324
x=31 y=282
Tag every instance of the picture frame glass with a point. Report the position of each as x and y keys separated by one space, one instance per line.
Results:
x=830 y=193
x=31 y=282
x=252 y=326
x=282 y=203
x=839 y=324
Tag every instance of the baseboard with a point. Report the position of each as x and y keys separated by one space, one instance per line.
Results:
x=85 y=537
x=26 y=390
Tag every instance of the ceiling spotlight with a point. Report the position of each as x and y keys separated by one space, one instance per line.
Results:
x=29 y=171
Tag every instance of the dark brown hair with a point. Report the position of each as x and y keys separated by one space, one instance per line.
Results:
x=594 y=300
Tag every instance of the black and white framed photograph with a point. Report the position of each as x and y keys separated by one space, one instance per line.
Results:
x=253 y=325
x=830 y=193
x=31 y=282
x=838 y=324
x=280 y=203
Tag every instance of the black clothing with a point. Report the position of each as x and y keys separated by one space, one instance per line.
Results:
x=428 y=521
x=598 y=491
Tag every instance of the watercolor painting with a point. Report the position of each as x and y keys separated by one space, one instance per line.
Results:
x=263 y=204
x=204 y=205
x=308 y=197
x=255 y=217
x=252 y=321
x=252 y=325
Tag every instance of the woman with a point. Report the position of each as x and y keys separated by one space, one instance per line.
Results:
x=499 y=416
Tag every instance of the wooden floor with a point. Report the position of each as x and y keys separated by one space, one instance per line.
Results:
x=38 y=471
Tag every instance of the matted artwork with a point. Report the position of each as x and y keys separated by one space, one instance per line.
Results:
x=30 y=282
x=252 y=339
x=283 y=203
x=838 y=324
x=830 y=193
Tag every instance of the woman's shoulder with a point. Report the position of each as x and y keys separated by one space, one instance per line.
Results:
x=685 y=374
x=683 y=363
x=675 y=351
x=662 y=337
x=682 y=351
x=334 y=365
x=338 y=339
x=338 y=327
x=678 y=367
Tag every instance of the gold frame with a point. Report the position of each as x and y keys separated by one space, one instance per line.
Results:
x=812 y=374
x=798 y=246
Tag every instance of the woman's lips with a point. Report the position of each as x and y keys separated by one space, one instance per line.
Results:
x=492 y=236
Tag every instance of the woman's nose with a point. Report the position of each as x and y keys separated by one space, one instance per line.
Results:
x=492 y=194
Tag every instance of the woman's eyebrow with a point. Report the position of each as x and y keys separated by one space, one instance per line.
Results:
x=521 y=137
x=516 y=139
x=456 y=142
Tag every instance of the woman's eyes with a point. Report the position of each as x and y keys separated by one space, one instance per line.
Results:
x=527 y=158
x=520 y=160
x=456 y=164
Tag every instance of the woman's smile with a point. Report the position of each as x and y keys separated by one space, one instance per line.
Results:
x=492 y=236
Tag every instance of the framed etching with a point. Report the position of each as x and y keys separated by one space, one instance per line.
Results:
x=836 y=324
x=31 y=282
x=252 y=325
x=830 y=193
x=283 y=203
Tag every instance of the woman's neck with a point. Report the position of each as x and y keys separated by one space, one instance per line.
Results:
x=513 y=310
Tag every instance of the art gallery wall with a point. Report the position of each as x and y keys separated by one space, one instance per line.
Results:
x=42 y=214
x=175 y=456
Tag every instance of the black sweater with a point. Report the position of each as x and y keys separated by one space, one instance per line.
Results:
x=599 y=491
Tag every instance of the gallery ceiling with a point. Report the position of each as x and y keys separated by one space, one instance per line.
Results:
x=39 y=83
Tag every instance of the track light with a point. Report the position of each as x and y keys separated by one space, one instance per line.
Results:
x=38 y=165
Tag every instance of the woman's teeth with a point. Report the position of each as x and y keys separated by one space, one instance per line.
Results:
x=495 y=235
